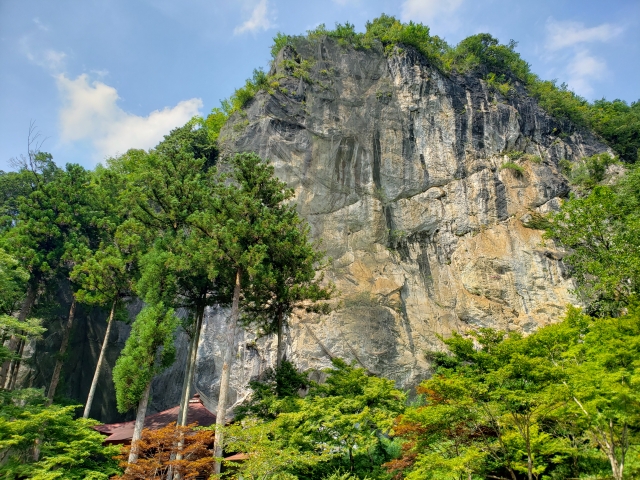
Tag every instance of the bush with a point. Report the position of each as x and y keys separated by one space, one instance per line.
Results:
x=517 y=169
x=45 y=441
x=588 y=171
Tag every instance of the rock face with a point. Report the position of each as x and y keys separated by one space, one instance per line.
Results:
x=397 y=168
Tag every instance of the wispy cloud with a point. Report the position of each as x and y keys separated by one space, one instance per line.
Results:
x=40 y=25
x=53 y=61
x=568 y=42
x=583 y=69
x=566 y=34
x=90 y=111
x=428 y=10
x=259 y=19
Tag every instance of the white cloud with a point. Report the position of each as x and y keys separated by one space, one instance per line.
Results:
x=40 y=25
x=427 y=10
x=91 y=112
x=583 y=69
x=49 y=59
x=566 y=44
x=259 y=19
x=566 y=34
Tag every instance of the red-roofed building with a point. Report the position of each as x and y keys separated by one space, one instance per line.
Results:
x=121 y=433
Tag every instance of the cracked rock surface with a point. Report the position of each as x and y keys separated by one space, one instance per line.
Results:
x=397 y=168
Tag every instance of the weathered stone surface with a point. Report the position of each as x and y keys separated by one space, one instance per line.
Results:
x=397 y=168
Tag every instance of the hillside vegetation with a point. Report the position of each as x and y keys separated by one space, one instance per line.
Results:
x=500 y=65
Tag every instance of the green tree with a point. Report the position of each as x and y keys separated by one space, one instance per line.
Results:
x=164 y=188
x=602 y=235
x=13 y=280
x=54 y=227
x=105 y=276
x=45 y=442
x=603 y=365
x=149 y=350
x=341 y=424
x=17 y=189
x=244 y=222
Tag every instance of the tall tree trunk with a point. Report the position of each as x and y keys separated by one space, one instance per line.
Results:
x=191 y=370
x=280 y=346
x=186 y=388
x=63 y=350
x=96 y=374
x=15 y=366
x=221 y=413
x=139 y=425
x=14 y=342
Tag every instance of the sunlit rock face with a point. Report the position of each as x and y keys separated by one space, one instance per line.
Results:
x=397 y=168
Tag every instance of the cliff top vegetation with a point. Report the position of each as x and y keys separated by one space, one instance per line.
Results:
x=500 y=65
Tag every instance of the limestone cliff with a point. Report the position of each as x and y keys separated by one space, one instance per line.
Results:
x=397 y=168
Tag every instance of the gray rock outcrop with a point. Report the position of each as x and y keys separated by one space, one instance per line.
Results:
x=398 y=168
x=409 y=178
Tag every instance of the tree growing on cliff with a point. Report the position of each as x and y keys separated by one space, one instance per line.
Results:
x=601 y=232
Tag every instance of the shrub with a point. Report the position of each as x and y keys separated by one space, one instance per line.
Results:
x=514 y=155
x=517 y=169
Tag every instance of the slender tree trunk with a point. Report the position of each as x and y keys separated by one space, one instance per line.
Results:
x=280 y=346
x=96 y=374
x=191 y=370
x=63 y=350
x=186 y=388
x=139 y=425
x=221 y=413
x=14 y=341
x=15 y=366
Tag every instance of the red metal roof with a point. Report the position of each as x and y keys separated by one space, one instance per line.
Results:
x=119 y=433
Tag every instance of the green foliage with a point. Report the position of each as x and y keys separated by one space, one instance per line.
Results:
x=619 y=124
x=13 y=283
x=560 y=102
x=279 y=42
x=482 y=51
x=243 y=95
x=514 y=167
x=601 y=232
x=501 y=66
x=66 y=448
x=341 y=424
x=274 y=393
x=538 y=222
x=543 y=406
x=589 y=171
x=149 y=349
x=514 y=155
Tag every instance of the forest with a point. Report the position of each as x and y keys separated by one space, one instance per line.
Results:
x=183 y=228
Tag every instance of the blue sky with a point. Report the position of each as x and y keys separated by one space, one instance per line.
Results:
x=99 y=77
